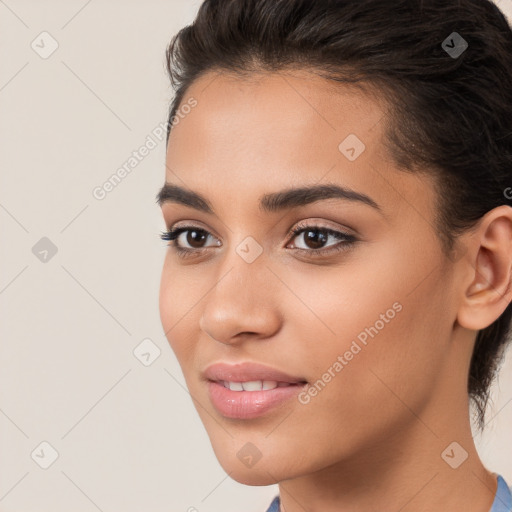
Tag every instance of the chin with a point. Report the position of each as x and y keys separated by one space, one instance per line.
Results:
x=254 y=477
x=266 y=471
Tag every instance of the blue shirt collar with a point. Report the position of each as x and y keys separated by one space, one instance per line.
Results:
x=502 y=500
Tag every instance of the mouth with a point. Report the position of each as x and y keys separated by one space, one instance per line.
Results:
x=248 y=400
x=249 y=390
x=249 y=372
x=256 y=385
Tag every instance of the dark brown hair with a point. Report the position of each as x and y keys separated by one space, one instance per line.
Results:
x=450 y=115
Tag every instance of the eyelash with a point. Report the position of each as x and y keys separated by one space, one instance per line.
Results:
x=346 y=239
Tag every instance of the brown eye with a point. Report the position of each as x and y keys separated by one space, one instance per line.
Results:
x=187 y=239
x=315 y=238
x=195 y=237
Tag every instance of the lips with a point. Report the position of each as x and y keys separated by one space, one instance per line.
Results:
x=247 y=372
x=246 y=391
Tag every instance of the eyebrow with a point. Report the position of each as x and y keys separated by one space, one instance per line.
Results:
x=271 y=202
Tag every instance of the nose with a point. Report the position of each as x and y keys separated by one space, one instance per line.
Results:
x=243 y=304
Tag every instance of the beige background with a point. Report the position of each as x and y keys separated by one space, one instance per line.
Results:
x=126 y=435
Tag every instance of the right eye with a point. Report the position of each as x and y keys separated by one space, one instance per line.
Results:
x=194 y=236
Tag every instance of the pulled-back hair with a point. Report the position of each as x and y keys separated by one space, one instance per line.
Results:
x=449 y=115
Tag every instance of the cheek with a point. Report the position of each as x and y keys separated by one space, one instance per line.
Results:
x=372 y=336
x=177 y=297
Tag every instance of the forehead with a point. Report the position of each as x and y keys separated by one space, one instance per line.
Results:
x=270 y=131
x=244 y=114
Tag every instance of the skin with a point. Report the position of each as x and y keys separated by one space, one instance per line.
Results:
x=372 y=439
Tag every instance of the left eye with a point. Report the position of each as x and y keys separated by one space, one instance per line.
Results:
x=315 y=237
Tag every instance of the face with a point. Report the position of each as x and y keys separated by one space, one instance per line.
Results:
x=354 y=308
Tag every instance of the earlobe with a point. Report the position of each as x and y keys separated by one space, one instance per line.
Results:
x=489 y=291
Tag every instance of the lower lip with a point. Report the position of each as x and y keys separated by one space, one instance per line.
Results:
x=249 y=404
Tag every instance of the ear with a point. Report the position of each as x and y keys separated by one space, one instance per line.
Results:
x=490 y=270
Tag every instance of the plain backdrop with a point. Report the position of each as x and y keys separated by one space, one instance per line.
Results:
x=94 y=414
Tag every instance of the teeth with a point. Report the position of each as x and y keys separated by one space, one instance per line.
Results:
x=235 y=386
x=253 y=385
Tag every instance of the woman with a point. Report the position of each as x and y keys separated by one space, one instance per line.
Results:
x=338 y=283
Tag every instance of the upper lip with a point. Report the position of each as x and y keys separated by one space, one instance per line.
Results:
x=248 y=371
